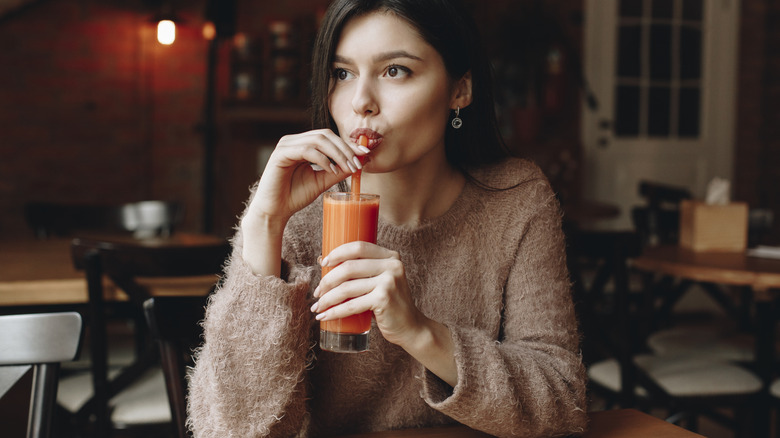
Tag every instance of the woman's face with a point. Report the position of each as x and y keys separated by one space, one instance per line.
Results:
x=392 y=86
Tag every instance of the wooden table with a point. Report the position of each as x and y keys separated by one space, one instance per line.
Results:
x=761 y=276
x=622 y=423
x=41 y=272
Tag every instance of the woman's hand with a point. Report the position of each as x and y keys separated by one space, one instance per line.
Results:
x=369 y=277
x=288 y=184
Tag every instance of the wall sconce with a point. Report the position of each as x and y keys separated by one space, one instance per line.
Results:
x=166 y=32
x=166 y=22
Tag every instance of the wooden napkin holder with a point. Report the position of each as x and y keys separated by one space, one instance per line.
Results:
x=705 y=227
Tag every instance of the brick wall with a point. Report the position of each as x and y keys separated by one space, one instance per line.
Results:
x=93 y=109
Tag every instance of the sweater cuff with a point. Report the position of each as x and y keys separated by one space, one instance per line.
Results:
x=292 y=290
x=439 y=394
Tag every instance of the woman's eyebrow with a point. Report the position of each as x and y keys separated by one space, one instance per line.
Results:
x=386 y=56
x=395 y=55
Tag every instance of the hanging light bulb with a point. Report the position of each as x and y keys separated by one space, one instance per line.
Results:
x=166 y=32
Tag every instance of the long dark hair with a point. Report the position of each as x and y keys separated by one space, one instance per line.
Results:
x=449 y=28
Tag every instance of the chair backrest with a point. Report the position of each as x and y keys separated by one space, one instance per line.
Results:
x=125 y=264
x=175 y=323
x=38 y=341
x=604 y=255
x=143 y=218
x=658 y=221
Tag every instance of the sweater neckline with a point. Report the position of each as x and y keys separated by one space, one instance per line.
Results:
x=431 y=227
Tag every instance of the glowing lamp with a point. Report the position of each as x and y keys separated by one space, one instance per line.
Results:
x=166 y=32
x=209 y=31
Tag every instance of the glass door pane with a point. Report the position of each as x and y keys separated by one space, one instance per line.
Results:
x=659 y=64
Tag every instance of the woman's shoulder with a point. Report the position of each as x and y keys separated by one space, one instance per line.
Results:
x=509 y=172
x=514 y=178
x=514 y=187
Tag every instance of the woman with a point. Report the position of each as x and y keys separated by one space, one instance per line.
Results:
x=467 y=282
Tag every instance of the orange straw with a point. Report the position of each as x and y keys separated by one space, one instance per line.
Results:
x=363 y=141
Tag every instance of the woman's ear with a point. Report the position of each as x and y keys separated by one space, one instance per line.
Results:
x=461 y=93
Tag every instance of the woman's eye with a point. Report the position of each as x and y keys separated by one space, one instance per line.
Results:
x=397 y=71
x=340 y=74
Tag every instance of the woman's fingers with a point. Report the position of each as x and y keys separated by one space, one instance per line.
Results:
x=322 y=147
x=357 y=250
x=348 y=298
x=289 y=181
x=357 y=278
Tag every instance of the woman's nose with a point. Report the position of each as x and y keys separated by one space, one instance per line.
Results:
x=364 y=101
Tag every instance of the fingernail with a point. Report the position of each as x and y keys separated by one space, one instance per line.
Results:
x=315 y=306
x=317 y=292
x=351 y=167
x=357 y=162
x=319 y=316
x=334 y=168
x=364 y=149
x=324 y=261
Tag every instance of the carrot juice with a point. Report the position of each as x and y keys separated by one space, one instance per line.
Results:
x=347 y=217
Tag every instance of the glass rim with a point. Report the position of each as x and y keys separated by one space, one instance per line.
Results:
x=346 y=196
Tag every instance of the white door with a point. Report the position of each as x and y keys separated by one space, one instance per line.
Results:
x=664 y=75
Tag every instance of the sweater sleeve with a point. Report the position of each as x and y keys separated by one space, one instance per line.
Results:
x=531 y=382
x=249 y=374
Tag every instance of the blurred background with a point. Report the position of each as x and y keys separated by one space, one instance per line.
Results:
x=620 y=102
x=94 y=109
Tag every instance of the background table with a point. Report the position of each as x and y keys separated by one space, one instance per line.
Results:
x=41 y=272
x=761 y=276
x=622 y=423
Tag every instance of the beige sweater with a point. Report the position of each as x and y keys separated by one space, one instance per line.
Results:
x=492 y=269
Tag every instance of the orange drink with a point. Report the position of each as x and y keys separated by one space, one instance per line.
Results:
x=347 y=217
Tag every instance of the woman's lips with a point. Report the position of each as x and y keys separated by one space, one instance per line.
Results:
x=374 y=138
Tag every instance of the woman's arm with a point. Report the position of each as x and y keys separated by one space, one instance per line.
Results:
x=249 y=375
x=531 y=382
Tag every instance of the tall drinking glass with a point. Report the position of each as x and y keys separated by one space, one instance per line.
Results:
x=347 y=217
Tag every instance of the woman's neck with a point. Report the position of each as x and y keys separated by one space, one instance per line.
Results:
x=409 y=196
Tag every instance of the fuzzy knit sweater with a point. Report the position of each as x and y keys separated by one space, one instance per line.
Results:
x=492 y=269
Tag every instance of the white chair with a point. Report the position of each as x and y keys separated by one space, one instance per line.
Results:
x=41 y=342
x=706 y=342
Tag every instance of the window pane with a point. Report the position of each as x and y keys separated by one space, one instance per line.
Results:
x=663 y=8
x=690 y=110
x=658 y=114
x=660 y=52
x=631 y=8
x=692 y=9
x=690 y=53
x=629 y=44
x=627 y=111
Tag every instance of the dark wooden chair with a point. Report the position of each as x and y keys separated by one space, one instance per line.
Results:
x=130 y=267
x=597 y=262
x=142 y=218
x=174 y=323
x=658 y=221
x=38 y=342
x=623 y=371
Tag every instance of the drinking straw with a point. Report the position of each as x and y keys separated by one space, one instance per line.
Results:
x=363 y=141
